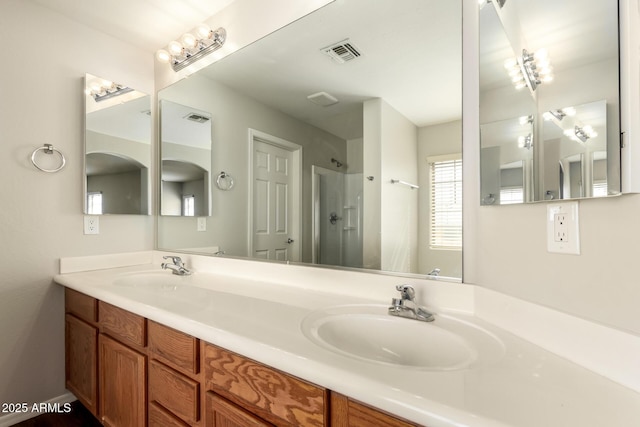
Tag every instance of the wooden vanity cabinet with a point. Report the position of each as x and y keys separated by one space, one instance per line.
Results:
x=174 y=377
x=122 y=380
x=81 y=343
x=133 y=372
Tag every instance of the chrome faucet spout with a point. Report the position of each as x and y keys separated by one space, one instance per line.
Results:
x=405 y=306
x=176 y=266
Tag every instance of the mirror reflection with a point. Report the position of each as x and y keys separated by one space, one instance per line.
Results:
x=334 y=139
x=117 y=148
x=185 y=168
x=546 y=77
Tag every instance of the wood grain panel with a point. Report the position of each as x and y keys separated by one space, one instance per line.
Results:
x=222 y=413
x=346 y=412
x=83 y=306
x=81 y=362
x=174 y=391
x=123 y=325
x=160 y=417
x=271 y=394
x=174 y=348
x=122 y=382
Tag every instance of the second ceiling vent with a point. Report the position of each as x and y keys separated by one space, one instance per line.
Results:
x=342 y=52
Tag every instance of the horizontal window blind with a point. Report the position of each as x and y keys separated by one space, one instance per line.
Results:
x=446 y=204
x=511 y=195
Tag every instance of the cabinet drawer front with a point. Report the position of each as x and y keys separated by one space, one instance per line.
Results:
x=83 y=306
x=271 y=394
x=177 y=349
x=159 y=417
x=221 y=412
x=123 y=325
x=174 y=391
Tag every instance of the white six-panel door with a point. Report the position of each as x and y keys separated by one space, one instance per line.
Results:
x=274 y=200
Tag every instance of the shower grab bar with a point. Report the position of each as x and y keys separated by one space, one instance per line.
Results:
x=412 y=186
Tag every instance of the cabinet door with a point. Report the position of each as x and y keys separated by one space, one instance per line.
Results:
x=123 y=381
x=81 y=352
x=222 y=413
x=346 y=412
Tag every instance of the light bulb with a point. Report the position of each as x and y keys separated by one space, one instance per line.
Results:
x=189 y=41
x=521 y=142
x=569 y=111
x=203 y=31
x=541 y=54
x=547 y=116
x=521 y=85
x=163 y=56
x=95 y=87
x=175 y=48
x=510 y=63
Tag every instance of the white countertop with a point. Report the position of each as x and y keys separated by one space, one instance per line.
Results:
x=260 y=319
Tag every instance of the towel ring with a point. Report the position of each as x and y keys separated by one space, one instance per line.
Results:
x=224 y=181
x=48 y=149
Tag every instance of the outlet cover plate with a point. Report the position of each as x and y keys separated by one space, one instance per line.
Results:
x=91 y=224
x=563 y=229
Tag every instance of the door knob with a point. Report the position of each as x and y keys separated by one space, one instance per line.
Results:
x=289 y=240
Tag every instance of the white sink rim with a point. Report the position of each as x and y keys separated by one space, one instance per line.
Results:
x=462 y=344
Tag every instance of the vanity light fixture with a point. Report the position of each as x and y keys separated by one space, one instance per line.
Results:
x=525 y=141
x=530 y=69
x=581 y=134
x=101 y=90
x=192 y=47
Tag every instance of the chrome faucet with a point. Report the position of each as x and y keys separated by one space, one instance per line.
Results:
x=405 y=306
x=434 y=272
x=176 y=266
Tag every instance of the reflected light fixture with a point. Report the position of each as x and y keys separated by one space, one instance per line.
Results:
x=530 y=69
x=525 y=141
x=101 y=90
x=581 y=133
x=191 y=47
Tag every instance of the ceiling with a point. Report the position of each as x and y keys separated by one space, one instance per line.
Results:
x=147 y=24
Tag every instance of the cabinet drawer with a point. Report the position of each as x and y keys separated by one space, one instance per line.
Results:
x=81 y=305
x=160 y=417
x=123 y=325
x=174 y=391
x=221 y=412
x=273 y=395
x=175 y=348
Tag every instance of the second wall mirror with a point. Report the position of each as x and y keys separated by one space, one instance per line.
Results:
x=549 y=100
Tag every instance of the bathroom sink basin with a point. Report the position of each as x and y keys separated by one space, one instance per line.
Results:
x=369 y=333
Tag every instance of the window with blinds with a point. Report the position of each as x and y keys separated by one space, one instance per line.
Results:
x=94 y=203
x=446 y=202
x=188 y=205
x=511 y=195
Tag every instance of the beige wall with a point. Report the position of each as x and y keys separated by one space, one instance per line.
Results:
x=41 y=214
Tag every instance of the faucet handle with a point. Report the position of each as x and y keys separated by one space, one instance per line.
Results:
x=174 y=259
x=406 y=291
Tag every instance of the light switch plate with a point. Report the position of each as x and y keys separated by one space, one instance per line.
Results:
x=202 y=223
x=563 y=230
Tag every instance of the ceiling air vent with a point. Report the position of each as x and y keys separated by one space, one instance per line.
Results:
x=195 y=117
x=342 y=52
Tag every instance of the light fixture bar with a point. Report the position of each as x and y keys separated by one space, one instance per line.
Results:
x=190 y=49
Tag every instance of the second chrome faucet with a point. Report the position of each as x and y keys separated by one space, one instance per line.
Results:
x=405 y=306
x=176 y=266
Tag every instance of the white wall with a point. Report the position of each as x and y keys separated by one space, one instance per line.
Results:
x=505 y=246
x=41 y=87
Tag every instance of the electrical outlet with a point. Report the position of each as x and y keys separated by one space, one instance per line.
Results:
x=563 y=231
x=91 y=224
x=560 y=228
x=202 y=223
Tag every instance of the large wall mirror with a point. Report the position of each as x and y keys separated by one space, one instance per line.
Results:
x=117 y=148
x=549 y=100
x=338 y=139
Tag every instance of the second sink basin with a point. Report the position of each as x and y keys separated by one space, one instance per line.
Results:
x=368 y=332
